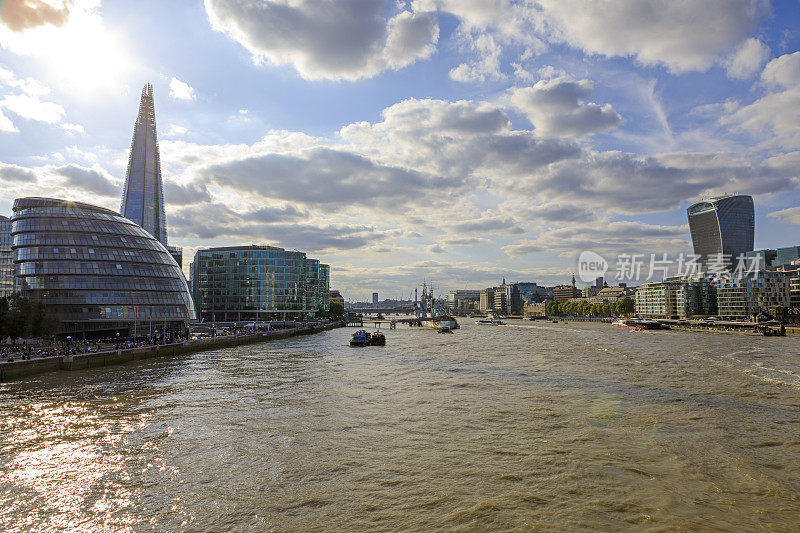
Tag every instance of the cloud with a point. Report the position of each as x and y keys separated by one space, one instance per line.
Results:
x=6 y=126
x=14 y=173
x=777 y=113
x=457 y=139
x=747 y=59
x=72 y=128
x=280 y=225
x=184 y=194
x=30 y=107
x=173 y=130
x=783 y=71
x=326 y=177
x=681 y=36
x=790 y=215
x=345 y=39
x=489 y=224
x=607 y=238
x=180 y=90
x=557 y=108
x=486 y=67
x=93 y=180
x=19 y=15
x=436 y=249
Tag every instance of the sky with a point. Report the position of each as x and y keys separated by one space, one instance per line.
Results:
x=452 y=141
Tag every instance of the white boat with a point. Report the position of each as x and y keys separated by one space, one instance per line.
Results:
x=490 y=322
x=441 y=323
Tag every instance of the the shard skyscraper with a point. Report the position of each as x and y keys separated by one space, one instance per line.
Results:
x=143 y=197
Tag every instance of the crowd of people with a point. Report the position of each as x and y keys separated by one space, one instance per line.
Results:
x=13 y=352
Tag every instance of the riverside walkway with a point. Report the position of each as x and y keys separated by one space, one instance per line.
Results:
x=20 y=368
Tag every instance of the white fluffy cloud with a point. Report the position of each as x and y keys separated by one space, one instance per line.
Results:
x=777 y=113
x=682 y=35
x=30 y=107
x=747 y=59
x=345 y=39
x=783 y=71
x=791 y=215
x=180 y=90
x=558 y=108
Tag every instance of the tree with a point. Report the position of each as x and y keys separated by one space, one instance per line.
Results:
x=336 y=311
x=628 y=305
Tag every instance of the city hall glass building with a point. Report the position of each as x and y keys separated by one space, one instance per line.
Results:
x=99 y=272
x=255 y=283
x=722 y=225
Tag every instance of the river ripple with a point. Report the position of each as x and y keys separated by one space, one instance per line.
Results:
x=532 y=426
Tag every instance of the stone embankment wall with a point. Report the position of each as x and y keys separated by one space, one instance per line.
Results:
x=21 y=368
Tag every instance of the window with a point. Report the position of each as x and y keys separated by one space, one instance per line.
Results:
x=119 y=267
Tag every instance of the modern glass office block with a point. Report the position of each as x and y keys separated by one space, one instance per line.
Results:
x=100 y=273
x=722 y=225
x=6 y=258
x=258 y=283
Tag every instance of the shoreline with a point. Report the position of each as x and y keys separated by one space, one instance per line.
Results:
x=30 y=367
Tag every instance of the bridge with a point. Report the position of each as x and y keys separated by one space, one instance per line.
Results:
x=359 y=321
x=382 y=310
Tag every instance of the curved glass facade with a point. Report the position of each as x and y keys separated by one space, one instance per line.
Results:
x=724 y=225
x=258 y=283
x=98 y=272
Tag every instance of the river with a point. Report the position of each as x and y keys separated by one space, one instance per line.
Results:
x=543 y=426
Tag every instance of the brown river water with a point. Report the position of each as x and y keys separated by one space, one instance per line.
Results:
x=552 y=427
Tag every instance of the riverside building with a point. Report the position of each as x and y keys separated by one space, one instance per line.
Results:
x=256 y=283
x=6 y=258
x=679 y=297
x=99 y=272
x=740 y=298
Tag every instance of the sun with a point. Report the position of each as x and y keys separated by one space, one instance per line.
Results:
x=80 y=54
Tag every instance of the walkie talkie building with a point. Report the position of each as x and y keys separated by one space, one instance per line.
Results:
x=722 y=225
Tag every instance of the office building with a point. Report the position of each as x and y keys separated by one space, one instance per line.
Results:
x=143 y=196
x=722 y=225
x=464 y=299
x=6 y=258
x=375 y=298
x=100 y=273
x=259 y=283
x=785 y=256
x=486 y=300
x=761 y=259
x=530 y=292
x=564 y=293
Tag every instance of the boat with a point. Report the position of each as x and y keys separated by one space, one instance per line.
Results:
x=445 y=329
x=490 y=322
x=360 y=338
x=377 y=339
x=554 y=321
x=641 y=324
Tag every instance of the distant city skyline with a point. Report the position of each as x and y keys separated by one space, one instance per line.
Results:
x=454 y=141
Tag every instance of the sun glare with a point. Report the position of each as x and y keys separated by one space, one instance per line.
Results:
x=80 y=54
